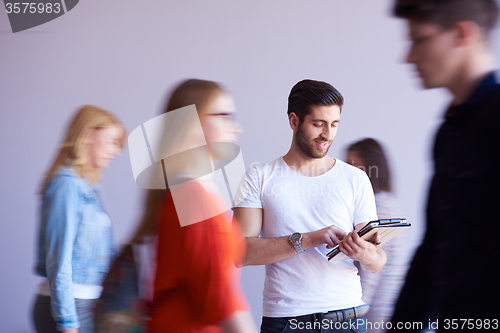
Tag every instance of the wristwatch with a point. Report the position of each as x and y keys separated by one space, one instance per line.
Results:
x=296 y=240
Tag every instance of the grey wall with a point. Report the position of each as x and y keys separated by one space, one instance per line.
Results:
x=126 y=55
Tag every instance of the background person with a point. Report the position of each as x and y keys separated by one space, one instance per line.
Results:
x=75 y=244
x=380 y=290
x=450 y=277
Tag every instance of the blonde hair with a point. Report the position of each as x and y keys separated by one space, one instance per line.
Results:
x=73 y=152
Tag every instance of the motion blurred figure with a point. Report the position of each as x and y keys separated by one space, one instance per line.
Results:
x=197 y=283
x=75 y=242
x=451 y=277
x=380 y=290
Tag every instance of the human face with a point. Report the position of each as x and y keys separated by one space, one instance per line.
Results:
x=218 y=120
x=104 y=146
x=355 y=160
x=315 y=134
x=433 y=51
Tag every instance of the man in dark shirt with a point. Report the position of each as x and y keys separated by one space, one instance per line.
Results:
x=453 y=282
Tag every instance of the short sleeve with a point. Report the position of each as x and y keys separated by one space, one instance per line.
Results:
x=248 y=194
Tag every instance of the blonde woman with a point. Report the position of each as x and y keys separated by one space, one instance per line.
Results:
x=75 y=241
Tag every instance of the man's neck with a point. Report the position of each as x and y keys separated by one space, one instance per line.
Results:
x=465 y=82
x=306 y=166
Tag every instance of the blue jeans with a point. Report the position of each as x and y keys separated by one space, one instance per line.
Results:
x=309 y=324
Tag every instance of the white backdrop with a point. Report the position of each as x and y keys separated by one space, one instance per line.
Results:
x=126 y=55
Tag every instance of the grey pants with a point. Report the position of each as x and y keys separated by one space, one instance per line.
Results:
x=44 y=323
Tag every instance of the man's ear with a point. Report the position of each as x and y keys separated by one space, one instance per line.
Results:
x=293 y=119
x=468 y=33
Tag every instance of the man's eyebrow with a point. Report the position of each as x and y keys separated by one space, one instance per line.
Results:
x=324 y=121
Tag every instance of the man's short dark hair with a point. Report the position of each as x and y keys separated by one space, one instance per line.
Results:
x=448 y=12
x=307 y=93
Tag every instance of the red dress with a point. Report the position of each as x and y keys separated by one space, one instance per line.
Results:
x=197 y=282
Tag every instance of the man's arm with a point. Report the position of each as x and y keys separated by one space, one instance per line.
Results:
x=263 y=251
x=371 y=256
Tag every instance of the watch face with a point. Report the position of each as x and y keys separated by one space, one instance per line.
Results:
x=295 y=238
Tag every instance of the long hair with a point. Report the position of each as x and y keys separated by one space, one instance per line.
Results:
x=73 y=152
x=375 y=163
x=192 y=91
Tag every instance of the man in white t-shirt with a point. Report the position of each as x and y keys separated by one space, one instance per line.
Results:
x=301 y=205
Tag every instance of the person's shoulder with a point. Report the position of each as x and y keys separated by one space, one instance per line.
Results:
x=66 y=179
x=265 y=169
x=65 y=172
x=488 y=106
x=191 y=188
x=64 y=175
x=492 y=94
x=349 y=170
x=276 y=163
x=494 y=99
x=488 y=93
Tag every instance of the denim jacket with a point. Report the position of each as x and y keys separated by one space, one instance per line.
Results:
x=75 y=244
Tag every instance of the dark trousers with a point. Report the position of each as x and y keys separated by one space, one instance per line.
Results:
x=44 y=322
x=311 y=324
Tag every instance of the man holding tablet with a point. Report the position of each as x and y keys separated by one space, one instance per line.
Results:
x=301 y=205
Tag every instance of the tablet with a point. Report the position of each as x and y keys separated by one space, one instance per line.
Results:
x=387 y=229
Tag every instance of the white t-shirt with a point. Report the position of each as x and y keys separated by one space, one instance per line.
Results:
x=308 y=283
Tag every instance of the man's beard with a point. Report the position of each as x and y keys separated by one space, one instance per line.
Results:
x=307 y=147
